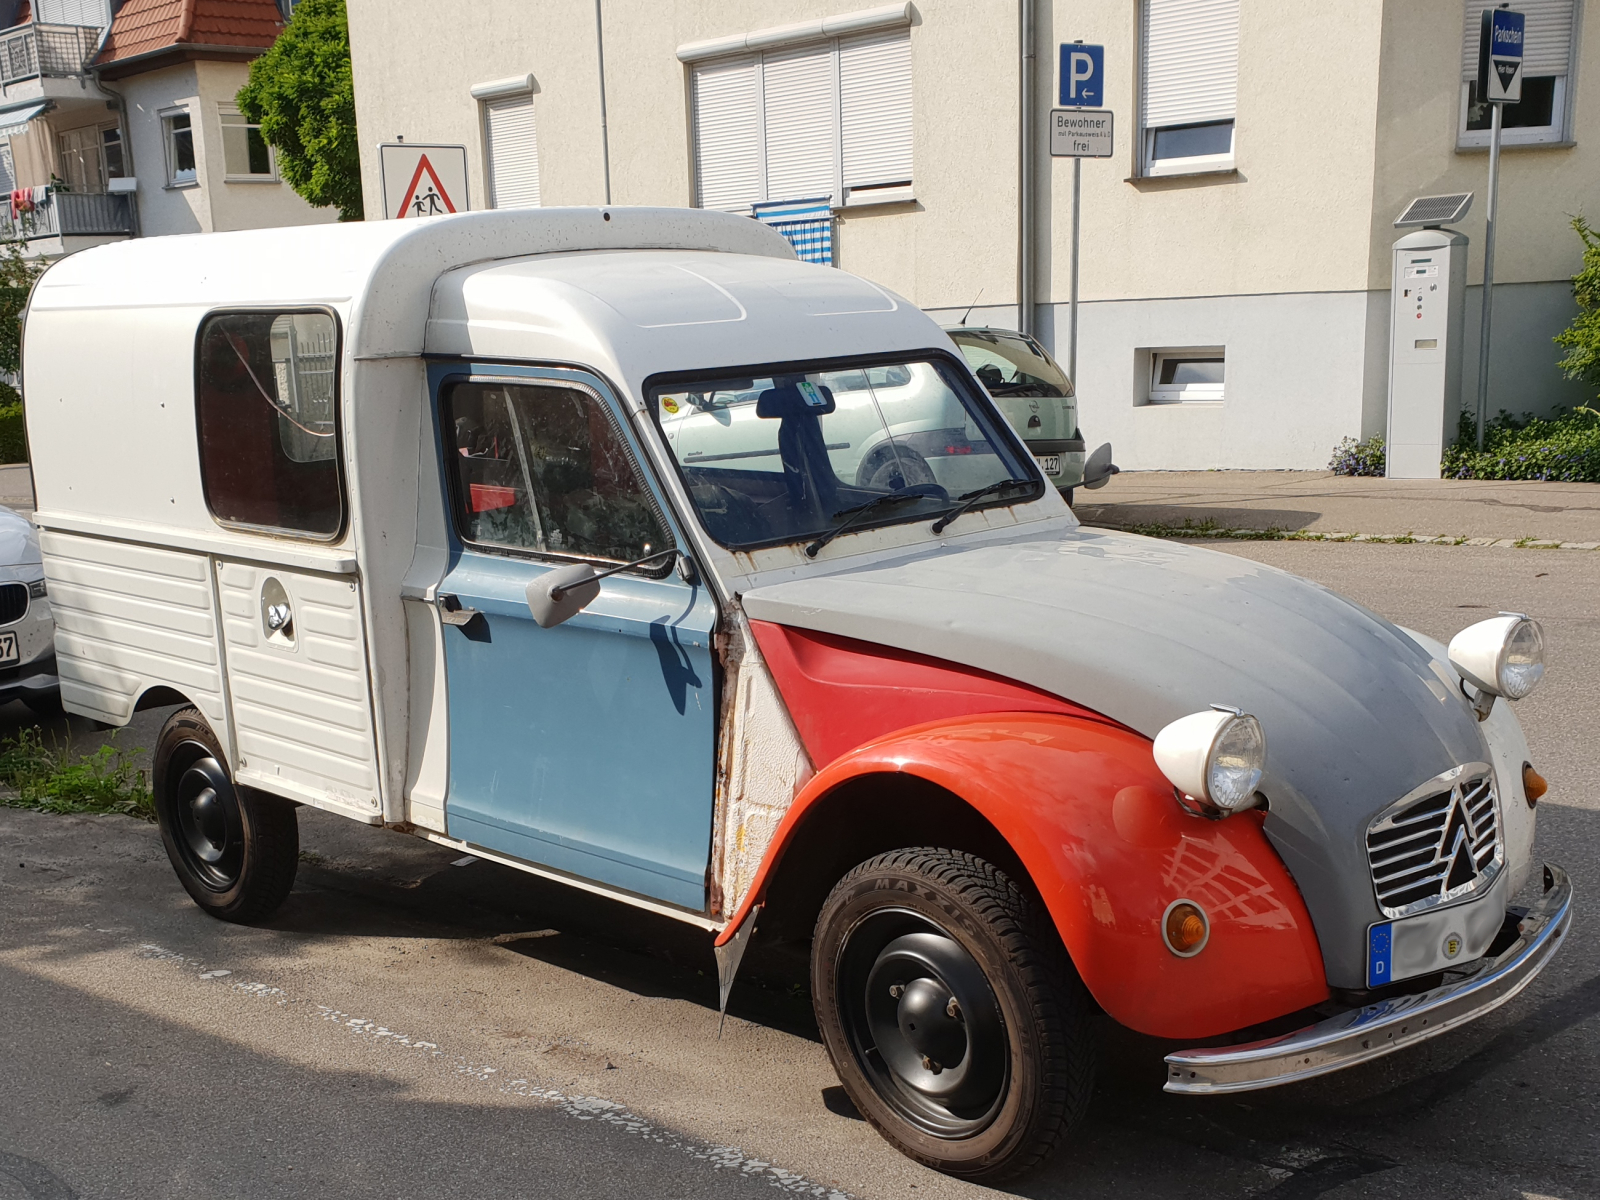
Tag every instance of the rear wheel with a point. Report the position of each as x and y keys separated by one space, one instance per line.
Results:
x=235 y=850
x=896 y=468
x=956 y=1023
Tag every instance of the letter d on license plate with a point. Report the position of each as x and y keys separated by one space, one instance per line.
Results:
x=1380 y=954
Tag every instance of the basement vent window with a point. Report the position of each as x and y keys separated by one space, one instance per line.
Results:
x=1192 y=376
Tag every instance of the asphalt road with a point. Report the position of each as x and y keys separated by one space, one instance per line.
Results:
x=406 y=1027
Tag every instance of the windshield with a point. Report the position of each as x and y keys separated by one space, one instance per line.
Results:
x=788 y=456
x=1010 y=364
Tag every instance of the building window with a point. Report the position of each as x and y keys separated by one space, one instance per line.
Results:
x=178 y=133
x=267 y=405
x=821 y=120
x=1190 y=85
x=511 y=151
x=1188 y=376
x=245 y=153
x=111 y=152
x=1541 y=116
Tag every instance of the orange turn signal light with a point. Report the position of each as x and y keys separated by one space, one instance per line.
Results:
x=1184 y=928
x=1534 y=784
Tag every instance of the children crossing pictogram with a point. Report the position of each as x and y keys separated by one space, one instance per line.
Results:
x=423 y=181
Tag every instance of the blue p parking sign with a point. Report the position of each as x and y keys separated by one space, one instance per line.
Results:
x=1083 y=75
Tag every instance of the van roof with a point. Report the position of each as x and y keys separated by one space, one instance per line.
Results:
x=379 y=273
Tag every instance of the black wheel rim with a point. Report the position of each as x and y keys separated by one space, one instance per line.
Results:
x=206 y=825
x=923 y=1023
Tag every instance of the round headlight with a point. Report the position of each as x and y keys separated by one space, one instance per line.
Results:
x=1503 y=656
x=1215 y=757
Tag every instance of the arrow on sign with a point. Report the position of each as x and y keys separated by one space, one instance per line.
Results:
x=434 y=200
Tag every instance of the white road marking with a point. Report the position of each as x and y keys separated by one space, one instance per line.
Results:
x=582 y=1108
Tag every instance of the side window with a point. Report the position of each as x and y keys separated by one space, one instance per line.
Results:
x=544 y=468
x=266 y=399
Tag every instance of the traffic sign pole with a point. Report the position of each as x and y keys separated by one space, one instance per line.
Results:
x=1488 y=271
x=1079 y=130
x=1072 y=305
x=1500 y=55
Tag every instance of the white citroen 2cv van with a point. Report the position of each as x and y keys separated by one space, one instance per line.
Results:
x=587 y=541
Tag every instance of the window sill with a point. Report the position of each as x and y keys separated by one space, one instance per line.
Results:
x=1198 y=173
x=877 y=202
x=1166 y=403
x=183 y=186
x=1470 y=148
x=251 y=179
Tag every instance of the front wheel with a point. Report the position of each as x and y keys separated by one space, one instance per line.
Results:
x=235 y=850
x=952 y=1014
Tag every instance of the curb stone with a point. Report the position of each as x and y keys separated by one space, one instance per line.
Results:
x=1298 y=535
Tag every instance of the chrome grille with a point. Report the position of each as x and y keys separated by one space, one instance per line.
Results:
x=13 y=602
x=1439 y=843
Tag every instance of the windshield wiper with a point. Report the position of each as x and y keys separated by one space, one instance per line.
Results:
x=971 y=498
x=854 y=515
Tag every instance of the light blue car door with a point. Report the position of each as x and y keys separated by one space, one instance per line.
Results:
x=589 y=747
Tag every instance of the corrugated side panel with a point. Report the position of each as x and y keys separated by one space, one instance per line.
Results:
x=129 y=618
x=302 y=710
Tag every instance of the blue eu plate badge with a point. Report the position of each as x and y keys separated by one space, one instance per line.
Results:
x=1380 y=951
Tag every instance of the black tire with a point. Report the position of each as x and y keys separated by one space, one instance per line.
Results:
x=1066 y=494
x=235 y=850
x=976 y=962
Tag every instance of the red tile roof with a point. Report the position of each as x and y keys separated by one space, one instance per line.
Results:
x=145 y=26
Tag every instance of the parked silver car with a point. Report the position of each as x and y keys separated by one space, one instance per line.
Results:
x=27 y=630
x=1035 y=395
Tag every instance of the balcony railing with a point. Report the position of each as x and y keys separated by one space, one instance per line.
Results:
x=32 y=50
x=84 y=214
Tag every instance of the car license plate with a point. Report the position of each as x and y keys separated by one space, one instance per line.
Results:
x=8 y=649
x=1050 y=464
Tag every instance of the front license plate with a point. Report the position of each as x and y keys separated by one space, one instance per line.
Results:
x=8 y=649
x=1050 y=464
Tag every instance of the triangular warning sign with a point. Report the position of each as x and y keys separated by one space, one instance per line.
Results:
x=433 y=201
x=1507 y=72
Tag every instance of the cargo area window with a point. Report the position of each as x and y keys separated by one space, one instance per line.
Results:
x=266 y=400
x=544 y=468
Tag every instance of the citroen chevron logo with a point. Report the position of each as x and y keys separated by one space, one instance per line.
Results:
x=1456 y=844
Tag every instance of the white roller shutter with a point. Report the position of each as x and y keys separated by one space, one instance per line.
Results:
x=728 y=133
x=1191 y=61
x=875 y=108
x=72 y=12
x=512 y=146
x=1547 y=40
x=798 y=96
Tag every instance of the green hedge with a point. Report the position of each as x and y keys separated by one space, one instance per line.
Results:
x=1564 y=447
x=13 y=435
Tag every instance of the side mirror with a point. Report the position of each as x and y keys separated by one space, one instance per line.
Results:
x=1099 y=469
x=560 y=595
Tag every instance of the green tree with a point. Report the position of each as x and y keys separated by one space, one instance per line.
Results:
x=1582 y=337
x=17 y=276
x=302 y=95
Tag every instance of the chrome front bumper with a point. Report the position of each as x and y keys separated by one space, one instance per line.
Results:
x=1363 y=1034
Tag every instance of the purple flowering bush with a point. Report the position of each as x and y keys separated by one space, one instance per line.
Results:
x=1564 y=447
x=1351 y=457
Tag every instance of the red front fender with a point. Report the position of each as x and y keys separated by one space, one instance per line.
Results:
x=1096 y=825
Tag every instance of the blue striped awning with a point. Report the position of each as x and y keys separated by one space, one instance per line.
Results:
x=806 y=224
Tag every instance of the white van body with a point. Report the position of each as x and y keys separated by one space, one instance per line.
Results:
x=158 y=603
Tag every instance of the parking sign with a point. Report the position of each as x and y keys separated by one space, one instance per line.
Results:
x=1083 y=73
x=1500 y=56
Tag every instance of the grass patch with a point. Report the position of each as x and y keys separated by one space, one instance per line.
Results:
x=51 y=779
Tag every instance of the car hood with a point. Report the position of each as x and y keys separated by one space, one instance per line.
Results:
x=19 y=540
x=1145 y=631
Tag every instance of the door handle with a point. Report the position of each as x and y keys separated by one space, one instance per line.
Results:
x=452 y=613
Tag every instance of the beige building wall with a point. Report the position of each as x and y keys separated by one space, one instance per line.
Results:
x=1346 y=110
